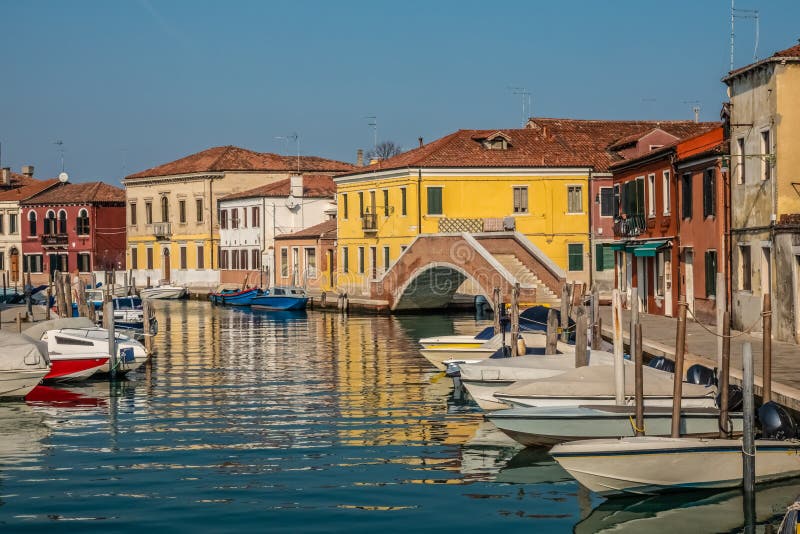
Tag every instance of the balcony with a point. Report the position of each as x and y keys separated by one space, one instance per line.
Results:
x=162 y=230
x=630 y=225
x=55 y=240
x=369 y=222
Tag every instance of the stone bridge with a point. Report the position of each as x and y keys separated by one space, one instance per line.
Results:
x=434 y=266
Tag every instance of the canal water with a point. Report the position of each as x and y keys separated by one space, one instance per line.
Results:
x=303 y=422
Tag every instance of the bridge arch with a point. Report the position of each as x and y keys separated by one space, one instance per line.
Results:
x=432 y=286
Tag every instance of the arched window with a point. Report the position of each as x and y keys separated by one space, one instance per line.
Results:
x=50 y=223
x=164 y=209
x=32 y=222
x=62 y=222
x=83 y=222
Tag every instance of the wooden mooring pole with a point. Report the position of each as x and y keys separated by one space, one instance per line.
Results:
x=496 y=307
x=766 y=355
x=564 y=313
x=597 y=332
x=515 y=320
x=634 y=319
x=677 y=389
x=108 y=318
x=551 y=344
x=581 y=338
x=724 y=375
x=639 y=392
x=748 y=438
x=619 y=356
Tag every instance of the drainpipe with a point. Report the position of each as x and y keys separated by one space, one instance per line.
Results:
x=263 y=223
x=211 y=209
x=676 y=282
x=419 y=201
x=591 y=230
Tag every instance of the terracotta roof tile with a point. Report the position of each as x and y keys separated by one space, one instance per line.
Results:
x=24 y=187
x=669 y=147
x=547 y=142
x=231 y=158
x=314 y=186
x=324 y=230
x=85 y=193
x=793 y=52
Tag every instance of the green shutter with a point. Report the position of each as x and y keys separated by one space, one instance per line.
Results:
x=575 y=253
x=711 y=273
x=434 y=201
x=599 y=258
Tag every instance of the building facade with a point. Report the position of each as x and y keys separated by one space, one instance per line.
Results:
x=173 y=214
x=765 y=203
x=73 y=226
x=15 y=188
x=250 y=220
x=601 y=195
x=307 y=258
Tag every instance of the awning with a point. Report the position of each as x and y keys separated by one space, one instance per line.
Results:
x=618 y=246
x=648 y=249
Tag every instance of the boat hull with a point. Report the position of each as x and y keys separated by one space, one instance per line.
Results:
x=75 y=367
x=279 y=303
x=236 y=298
x=610 y=400
x=550 y=426
x=437 y=357
x=163 y=293
x=651 y=465
x=16 y=384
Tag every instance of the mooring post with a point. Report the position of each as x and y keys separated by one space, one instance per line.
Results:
x=496 y=308
x=721 y=307
x=634 y=319
x=677 y=389
x=639 y=373
x=66 y=281
x=552 y=332
x=108 y=317
x=596 y=332
x=766 y=355
x=724 y=375
x=619 y=356
x=147 y=312
x=127 y=287
x=564 y=313
x=28 y=299
x=581 y=339
x=515 y=320
x=748 y=438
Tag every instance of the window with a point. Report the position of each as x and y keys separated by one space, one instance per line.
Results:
x=83 y=222
x=234 y=259
x=344 y=205
x=361 y=260
x=385 y=202
x=284 y=262
x=164 y=209
x=345 y=261
x=615 y=208
x=134 y=258
x=183 y=257
x=686 y=195
x=575 y=256
x=12 y=223
x=659 y=265
x=243 y=260
x=33 y=263
x=711 y=273
x=575 y=199
x=223 y=259
x=133 y=213
x=709 y=193
x=651 y=195
x=223 y=219
x=2 y=219
x=361 y=204
x=182 y=211
x=62 y=222
x=745 y=271
x=149 y=258
x=244 y=217
x=434 y=201
x=256 y=258
x=148 y=213
x=403 y=199
x=201 y=259
x=766 y=164
x=32 y=223
x=311 y=261
x=235 y=218
x=665 y=192
x=607 y=201
x=2 y=259
x=84 y=262
x=633 y=197
x=385 y=259
x=198 y=208
x=255 y=217
x=603 y=257
x=520 y=199
x=740 y=176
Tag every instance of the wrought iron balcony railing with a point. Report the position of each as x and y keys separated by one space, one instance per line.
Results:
x=53 y=240
x=630 y=225
x=162 y=229
x=369 y=222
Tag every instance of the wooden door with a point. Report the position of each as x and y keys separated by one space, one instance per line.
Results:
x=165 y=265
x=15 y=265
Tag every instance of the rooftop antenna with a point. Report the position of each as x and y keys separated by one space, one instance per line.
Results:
x=373 y=122
x=60 y=145
x=737 y=13
x=695 y=108
x=293 y=137
x=525 y=96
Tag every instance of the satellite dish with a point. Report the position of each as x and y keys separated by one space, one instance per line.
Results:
x=291 y=202
x=63 y=177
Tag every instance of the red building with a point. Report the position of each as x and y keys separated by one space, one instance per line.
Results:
x=602 y=231
x=73 y=226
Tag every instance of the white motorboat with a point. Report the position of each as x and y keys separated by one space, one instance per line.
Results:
x=594 y=385
x=23 y=364
x=163 y=292
x=485 y=377
x=458 y=341
x=557 y=424
x=649 y=465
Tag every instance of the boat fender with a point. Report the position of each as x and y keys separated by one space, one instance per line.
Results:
x=521 y=348
x=776 y=423
x=701 y=375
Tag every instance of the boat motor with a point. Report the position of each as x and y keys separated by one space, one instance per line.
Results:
x=662 y=364
x=701 y=375
x=453 y=370
x=776 y=423
x=735 y=398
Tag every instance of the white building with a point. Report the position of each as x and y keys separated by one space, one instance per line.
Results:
x=250 y=220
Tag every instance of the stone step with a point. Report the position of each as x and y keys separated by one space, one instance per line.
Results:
x=527 y=277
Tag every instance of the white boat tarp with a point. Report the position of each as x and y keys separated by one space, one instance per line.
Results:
x=21 y=353
x=517 y=368
x=597 y=381
x=38 y=329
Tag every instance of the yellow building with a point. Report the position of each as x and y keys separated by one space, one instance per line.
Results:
x=172 y=209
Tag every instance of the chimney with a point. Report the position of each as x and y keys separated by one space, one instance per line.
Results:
x=360 y=157
x=6 y=176
x=420 y=142
x=296 y=189
x=27 y=170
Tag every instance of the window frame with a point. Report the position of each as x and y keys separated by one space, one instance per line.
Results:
x=519 y=199
x=666 y=193
x=199 y=209
x=344 y=206
x=182 y=211
x=710 y=266
x=148 y=212
x=687 y=186
x=571 y=255
x=135 y=257
x=429 y=189
x=403 y=201
x=571 y=189
x=133 y=216
x=709 y=192
x=32 y=223
x=345 y=260
x=200 y=258
x=361 y=260
x=82 y=227
x=385 y=202
x=609 y=192
x=285 y=262
x=745 y=268
x=741 y=147
x=766 y=146
x=651 y=195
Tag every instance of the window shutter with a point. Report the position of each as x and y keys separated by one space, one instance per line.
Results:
x=599 y=258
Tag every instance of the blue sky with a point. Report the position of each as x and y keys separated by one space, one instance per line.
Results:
x=131 y=84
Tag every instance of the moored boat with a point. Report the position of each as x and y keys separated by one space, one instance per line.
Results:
x=281 y=299
x=23 y=364
x=234 y=297
x=165 y=292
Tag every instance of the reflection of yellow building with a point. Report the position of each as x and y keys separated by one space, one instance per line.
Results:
x=471 y=181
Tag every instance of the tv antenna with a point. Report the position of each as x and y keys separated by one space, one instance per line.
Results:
x=695 y=108
x=293 y=137
x=60 y=149
x=737 y=13
x=373 y=122
x=525 y=96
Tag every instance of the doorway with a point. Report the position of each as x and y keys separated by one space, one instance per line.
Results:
x=14 y=264
x=641 y=283
x=165 y=265
x=373 y=262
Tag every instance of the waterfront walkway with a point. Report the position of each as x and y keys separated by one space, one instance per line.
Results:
x=658 y=339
